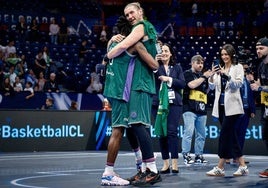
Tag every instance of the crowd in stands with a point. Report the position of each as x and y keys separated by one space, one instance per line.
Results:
x=34 y=49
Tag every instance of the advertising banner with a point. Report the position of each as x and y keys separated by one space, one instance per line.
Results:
x=63 y=130
x=46 y=130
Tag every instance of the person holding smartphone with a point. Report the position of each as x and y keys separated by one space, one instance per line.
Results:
x=170 y=73
x=228 y=107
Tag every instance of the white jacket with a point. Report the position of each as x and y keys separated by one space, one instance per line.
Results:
x=232 y=99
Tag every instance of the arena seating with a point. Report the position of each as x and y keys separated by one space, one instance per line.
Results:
x=202 y=35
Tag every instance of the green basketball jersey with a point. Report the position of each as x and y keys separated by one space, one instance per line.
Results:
x=143 y=78
x=116 y=74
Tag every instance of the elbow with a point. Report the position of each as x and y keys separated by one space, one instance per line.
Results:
x=109 y=55
x=191 y=86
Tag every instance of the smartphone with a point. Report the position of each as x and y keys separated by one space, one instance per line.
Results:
x=216 y=64
x=158 y=48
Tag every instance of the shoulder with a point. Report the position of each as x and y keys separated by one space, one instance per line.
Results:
x=178 y=66
x=189 y=71
x=237 y=66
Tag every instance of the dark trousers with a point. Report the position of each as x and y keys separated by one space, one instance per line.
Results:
x=241 y=127
x=228 y=141
x=264 y=122
x=170 y=143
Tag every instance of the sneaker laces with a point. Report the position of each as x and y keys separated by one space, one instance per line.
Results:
x=218 y=171
x=243 y=169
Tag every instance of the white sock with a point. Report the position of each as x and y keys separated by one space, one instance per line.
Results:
x=109 y=170
x=143 y=167
x=138 y=157
x=152 y=166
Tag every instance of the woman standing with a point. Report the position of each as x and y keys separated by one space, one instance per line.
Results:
x=171 y=73
x=228 y=107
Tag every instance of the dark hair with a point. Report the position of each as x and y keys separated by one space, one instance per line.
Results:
x=173 y=58
x=30 y=83
x=230 y=51
x=123 y=25
x=50 y=100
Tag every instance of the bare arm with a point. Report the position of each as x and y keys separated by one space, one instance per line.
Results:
x=145 y=56
x=197 y=82
x=136 y=34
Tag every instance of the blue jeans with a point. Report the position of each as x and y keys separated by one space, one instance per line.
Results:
x=193 y=122
x=54 y=39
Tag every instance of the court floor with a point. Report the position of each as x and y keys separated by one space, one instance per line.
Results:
x=78 y=169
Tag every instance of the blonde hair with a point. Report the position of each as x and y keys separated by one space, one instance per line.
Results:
x=136 y=4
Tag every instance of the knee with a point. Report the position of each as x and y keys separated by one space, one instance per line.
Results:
x=117 y=133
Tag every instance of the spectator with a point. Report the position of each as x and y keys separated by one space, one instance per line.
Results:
x=48 y=60
x=261 y=85
x=28 y=87
x=31 y=77
x=44 y=30
x=63 y=34
x=19 y=69
x=103 y=38
x=227 y=107
x=10 y=48
x=54 y=31
x=194 y=9
x=34 y=30
x=6 y=88
x=24 y=63
x=170 y=82
x=12 y=60
x=95 y=85
x=51 y=85
x=22 y=29
x=17 y=85
x=194 y=110
x=82 y=52
x=106 y=105
x=49 y=105
x=12 y=75
x=74 y=106
x=40 y=64
x=41 y=82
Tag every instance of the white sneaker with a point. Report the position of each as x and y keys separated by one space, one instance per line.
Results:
x=241 y=171
x=113 y=180
x=216 y=171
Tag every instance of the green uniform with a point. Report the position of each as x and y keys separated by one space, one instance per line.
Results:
x=143 y=83
x=143 y=78
x=116 y=75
